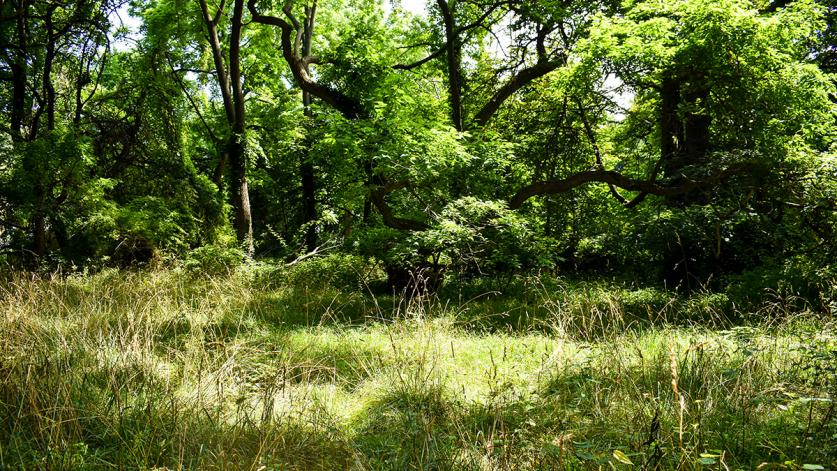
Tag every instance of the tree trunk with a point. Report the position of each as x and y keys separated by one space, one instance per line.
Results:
x=306 y=166
x=309 y=201
x=240 y=194
x=454 y=65
x=39 y=237
x=49 y=88
x=232 y=94
x=238 y=156
x=18 y=70
x=696 y=124
x=671 y=129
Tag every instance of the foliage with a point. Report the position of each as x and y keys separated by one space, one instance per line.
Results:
x=144 y=369
x=211 y=260
x=122 y=156
x=472 y=237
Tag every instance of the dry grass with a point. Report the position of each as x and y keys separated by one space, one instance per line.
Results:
x=144 y=370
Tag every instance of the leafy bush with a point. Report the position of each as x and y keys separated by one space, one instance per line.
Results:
x=474 y=237
x=800 y=281
x=338 y=270
x=211 y=260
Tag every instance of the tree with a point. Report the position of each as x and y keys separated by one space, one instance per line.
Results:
x=42 y=40
x=228 y=75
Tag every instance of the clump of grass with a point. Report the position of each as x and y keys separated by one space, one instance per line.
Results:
x=163 y=369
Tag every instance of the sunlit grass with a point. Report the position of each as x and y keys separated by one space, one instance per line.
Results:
x=137 y=370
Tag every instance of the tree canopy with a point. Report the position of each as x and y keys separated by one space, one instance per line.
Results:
x=483 y=136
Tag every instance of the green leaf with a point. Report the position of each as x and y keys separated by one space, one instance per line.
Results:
x=622 y=457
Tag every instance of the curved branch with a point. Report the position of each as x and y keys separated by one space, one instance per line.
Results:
x=457 y=31
x=378 y=198
x=347 y=106
x=591 y=137
x=439 y=52
x=518 y=81
x=551 y=187
x=218 y=59
x=191 y=100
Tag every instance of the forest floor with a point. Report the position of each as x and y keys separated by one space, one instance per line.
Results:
x=167 y=370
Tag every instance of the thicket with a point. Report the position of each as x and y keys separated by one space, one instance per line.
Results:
x=685 y=145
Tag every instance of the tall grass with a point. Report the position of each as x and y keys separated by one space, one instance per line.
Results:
x=165 y=370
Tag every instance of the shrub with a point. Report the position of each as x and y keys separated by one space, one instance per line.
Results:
x=339 y=270
x=212 y=260
x=474 y=237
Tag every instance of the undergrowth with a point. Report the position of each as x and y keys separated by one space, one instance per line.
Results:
x=266 y=369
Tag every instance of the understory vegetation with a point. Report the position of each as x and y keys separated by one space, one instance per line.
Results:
x=418 y=235
x=311 y=367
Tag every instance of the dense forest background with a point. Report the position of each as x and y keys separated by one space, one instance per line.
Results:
x=425 y=235
x=690 y=143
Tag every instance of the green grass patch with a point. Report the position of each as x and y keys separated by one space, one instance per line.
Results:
x=165 y=370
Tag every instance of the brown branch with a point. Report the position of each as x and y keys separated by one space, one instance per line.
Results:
x=347 y=106
x=591 y=136
x=551 y=187
x=518 y=81
x=218 y=60
x=195 y=107
x=378 y=197
x=457 y=31
x=439 y=52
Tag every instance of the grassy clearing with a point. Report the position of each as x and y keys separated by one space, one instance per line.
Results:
x=140 y=370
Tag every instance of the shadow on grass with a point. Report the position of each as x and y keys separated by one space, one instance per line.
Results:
x=77 y=415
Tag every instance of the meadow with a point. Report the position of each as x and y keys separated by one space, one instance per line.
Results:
x=297 y=368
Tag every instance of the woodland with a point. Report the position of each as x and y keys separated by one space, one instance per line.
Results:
x=418 y=234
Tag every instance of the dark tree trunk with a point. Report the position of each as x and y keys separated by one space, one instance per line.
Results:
x=306 y=165
x=238 y=155
x=684 y=130
x=454 y=66
x=696 y=125
x=39 y=226
x=39 y=236
x=18 y=70
x=49 y=59
x=671 y=129
x=232 y=93
x=309 y=201
x=240 y=193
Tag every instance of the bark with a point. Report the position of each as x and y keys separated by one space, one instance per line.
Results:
x=626 y=183
x=241 y=194
x=671 y=129
x=518 y=81
x=696 y=125
x=306 y=166
x=232 y=94
x=49 y=59
x=378 y=198
x=291 y=38
x=39 y=226
x=453 y=52
x=238 y=155
x=684 y=141
x=18 y=71
x=39 y=237
x=218 y=58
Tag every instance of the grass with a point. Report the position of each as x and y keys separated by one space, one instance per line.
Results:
x=166 y=370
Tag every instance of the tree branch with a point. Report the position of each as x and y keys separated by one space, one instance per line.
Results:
x=518 y=81
x=421 y=62
x=197 y=110
x=378 y=197
x=551 y=187
x=347 y=106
